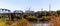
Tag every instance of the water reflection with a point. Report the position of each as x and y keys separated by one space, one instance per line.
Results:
x=42 y=24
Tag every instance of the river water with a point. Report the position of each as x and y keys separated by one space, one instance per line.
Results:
x=42 y=24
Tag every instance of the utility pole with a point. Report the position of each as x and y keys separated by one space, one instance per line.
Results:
x=41 y=9
x=29 y=9
x=49 y=7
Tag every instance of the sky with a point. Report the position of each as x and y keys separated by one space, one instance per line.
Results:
x=35 y=5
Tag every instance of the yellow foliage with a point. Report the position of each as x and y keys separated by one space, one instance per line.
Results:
x=31 y=17
x=2 y=23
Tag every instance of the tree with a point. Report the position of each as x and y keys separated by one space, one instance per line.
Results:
x=40 y=14
x=58 y=12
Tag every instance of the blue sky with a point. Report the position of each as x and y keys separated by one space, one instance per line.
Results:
x=35 y=5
